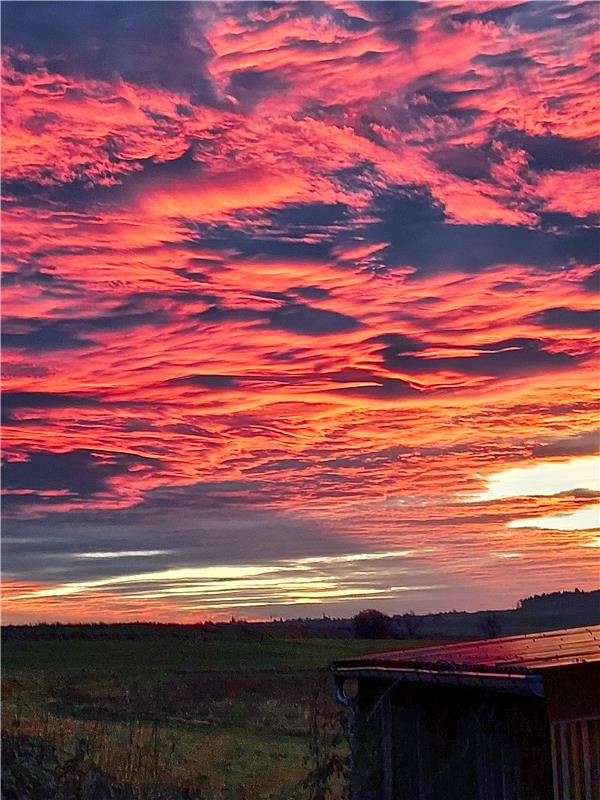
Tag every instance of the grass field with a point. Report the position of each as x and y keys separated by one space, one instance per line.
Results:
x=226 y=720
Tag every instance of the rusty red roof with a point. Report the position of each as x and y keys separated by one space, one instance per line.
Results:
x=510 y=655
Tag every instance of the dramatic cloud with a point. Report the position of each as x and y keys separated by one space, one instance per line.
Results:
x=569 y=318
x=290 y=289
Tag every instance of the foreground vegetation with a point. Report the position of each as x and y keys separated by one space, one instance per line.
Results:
x=175 y=717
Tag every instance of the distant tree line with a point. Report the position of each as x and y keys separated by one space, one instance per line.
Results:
x=548 y=601
x=234 y=630
x=572 y=607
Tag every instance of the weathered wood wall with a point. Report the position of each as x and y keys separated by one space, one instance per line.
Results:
x=433 y=743
x=576 y=759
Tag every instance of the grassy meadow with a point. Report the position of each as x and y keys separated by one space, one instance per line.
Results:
x=168 y=716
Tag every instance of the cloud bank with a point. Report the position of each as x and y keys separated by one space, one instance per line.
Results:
x=295 y=281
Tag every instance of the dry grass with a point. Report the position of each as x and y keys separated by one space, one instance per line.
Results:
x=226 y=721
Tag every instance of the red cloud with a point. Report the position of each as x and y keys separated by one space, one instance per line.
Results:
x=349 y=281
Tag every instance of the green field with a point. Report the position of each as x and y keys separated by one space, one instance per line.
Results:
x=226 y=720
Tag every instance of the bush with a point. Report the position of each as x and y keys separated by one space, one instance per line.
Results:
x=32 y=769
x=372 y=624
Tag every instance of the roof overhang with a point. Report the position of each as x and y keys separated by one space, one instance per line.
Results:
x=504 y=682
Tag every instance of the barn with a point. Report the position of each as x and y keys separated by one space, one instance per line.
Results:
x=516 y=718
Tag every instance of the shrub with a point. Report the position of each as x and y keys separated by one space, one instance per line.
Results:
x=372 y=624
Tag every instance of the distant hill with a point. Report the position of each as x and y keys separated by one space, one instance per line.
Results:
x=540 y=612
x=536 y=613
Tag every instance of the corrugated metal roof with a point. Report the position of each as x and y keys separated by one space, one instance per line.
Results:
x=510 y=655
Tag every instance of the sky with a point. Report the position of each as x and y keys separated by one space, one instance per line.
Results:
x=299 y=307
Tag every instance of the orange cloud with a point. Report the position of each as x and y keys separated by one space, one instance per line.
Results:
x=337 y=278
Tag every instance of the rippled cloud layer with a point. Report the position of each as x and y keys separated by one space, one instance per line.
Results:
x=300 y=306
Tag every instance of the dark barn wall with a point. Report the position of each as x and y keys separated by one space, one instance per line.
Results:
x=576 y=759
x=572 y=692
x=573 y=696
x=366 y=776
x=433 y=743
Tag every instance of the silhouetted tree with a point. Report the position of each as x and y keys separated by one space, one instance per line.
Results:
x=490 y=626
x=410 y=625
x=372 y=624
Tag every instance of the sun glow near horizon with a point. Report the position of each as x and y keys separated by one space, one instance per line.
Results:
x=543 y=479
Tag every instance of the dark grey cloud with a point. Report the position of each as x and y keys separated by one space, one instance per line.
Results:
x=195 y=276
x=49 y=282
x=508 y=286
x=220 y=314
x=548 y=152
x=394 y=20
x=266 y=240
x=591 y=283
x=472 y=163
x=44 y=337
x=150 y=304
x=280 y=464
x=81 y=472
x=311 y=321
x=124 y=321
x=76 y=194
x=381 y=388
x=250 y=86
x=563 y=317
x=415 y=227
x=218 y=522
x=579 y=444
x=399 y=343
x=500 y=359
x=145 y=43
x=291 y=316
x=309 y=215
x=564 y=223
x=371 y=460
x=272 y=13
x=361 y=176
x=79 y=194
x=281 y=297
x=206 y=381
x=530 y=16
x=391 y=12
x=431 y=101
x=507 y=60
x=376 y=385
x=13 y=402
x=72 y=334
x=561 y=153
x=552 y=152
x=408 y=206
x=310 y=292
x=296 y=231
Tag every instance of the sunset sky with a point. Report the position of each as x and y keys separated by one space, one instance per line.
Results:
x=298 y=307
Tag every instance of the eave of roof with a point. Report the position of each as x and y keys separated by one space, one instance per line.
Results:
x=516 y=683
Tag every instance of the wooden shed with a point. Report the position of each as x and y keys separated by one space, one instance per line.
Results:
x=516 y=718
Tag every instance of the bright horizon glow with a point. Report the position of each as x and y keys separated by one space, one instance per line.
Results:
x=217 y=579
x=543 y=479
x=585 y=519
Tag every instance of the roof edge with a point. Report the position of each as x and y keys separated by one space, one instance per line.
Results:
x=505 y=682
